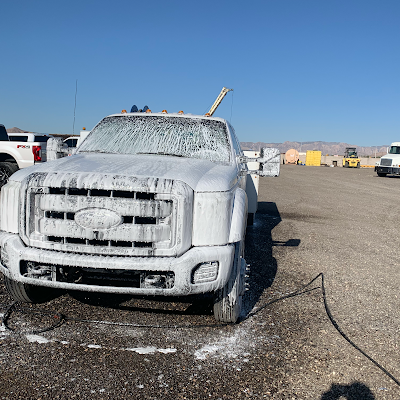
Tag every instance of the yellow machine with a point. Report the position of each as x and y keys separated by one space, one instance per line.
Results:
x=350 y=159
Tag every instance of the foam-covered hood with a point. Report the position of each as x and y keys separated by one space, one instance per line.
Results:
x=200 y=175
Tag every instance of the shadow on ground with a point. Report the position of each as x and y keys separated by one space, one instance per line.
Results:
x=189 y=305
x=258 y=252
x=354 y=391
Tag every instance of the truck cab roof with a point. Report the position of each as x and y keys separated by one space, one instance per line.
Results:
x=166 y=114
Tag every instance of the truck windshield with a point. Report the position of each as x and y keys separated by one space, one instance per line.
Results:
x=394 y=150
x=178 y=136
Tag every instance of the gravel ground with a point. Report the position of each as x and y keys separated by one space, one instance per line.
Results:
x=311 y=220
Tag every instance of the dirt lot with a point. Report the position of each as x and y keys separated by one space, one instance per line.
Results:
x=341 y=222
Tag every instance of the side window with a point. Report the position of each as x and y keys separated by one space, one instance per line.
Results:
x=41 y=139
x=3 y=134
x=71 y=142
x=18 y=138
x=235 y=141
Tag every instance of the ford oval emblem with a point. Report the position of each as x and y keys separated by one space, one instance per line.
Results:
x=97 y=218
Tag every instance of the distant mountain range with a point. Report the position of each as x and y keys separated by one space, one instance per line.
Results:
x=331 y=148
x=16 y=130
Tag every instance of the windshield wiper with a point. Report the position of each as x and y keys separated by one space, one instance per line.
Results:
x=162 y=153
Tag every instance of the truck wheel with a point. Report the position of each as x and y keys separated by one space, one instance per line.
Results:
x=26 y=293
x=381 y=174
x=6 y=170
x=228 y=300
x=358 y=165
x=346 y=164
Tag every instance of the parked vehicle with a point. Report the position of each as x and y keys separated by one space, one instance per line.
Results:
x=151 y=204
x=71 y=141
x=20 y=150
x=350 y=158
x=389 y=163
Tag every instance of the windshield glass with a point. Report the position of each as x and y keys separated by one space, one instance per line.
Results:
x=178 y=136
x=394 y=150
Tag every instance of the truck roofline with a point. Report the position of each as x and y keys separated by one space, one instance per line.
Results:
x=188 y=115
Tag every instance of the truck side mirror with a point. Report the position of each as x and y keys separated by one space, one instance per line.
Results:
x=269 y=162
x=56 y=149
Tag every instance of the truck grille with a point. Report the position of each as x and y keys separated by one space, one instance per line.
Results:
x=109 y=221
x=386 y=162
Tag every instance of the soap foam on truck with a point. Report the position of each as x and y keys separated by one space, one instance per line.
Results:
x=150 y=204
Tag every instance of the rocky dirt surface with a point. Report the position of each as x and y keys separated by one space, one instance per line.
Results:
x=339 y=222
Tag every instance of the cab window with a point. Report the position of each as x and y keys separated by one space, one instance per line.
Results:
x=235 y=142
x=394 y=150
x=18 y=138
x=71 y=142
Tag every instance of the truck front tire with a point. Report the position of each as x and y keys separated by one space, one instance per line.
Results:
x=6 y=170
x=228 y=300
x=26 y=293
x=381 y=174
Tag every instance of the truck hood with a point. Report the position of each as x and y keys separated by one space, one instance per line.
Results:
x=200 y=175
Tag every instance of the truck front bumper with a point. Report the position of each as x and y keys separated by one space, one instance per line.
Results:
x=199 y=270
x=387 y=170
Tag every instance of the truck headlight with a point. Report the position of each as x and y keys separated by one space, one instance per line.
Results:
x=9 y=207
x=212 y=213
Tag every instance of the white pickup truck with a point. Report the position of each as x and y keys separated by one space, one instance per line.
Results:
x=73 y=142
x=150 y=204
x=20 y=150
x=389 y=163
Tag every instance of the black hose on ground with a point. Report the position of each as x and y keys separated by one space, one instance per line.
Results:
x=60 y=319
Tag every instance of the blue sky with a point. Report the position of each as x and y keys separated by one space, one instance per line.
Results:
x=301 y=70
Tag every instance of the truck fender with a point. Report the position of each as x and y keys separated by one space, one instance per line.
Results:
x=239 y=217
